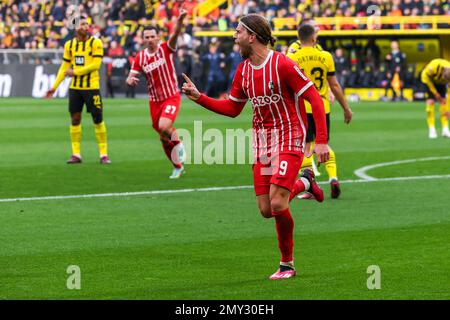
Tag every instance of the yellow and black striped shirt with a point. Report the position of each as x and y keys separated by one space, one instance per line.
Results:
x=317 y=65
x=432 y=74
x=85 y=58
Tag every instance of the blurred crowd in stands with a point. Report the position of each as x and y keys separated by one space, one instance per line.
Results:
x=46 y=24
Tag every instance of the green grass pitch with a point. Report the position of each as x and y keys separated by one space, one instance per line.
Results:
x=215 y=245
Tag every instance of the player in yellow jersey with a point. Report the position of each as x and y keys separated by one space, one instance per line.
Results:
x=293 y=48
x=318 y=65
x=436 y=76
x=82 y=60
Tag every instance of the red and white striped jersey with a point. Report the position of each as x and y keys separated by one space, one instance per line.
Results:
x=274 y=88
x=159 y=70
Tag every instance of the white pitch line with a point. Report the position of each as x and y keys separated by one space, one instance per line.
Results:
x=156 y=192
x=361 y=172
x=125 y=194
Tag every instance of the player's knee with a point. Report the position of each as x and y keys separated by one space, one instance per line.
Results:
x=97 y=117
x=75 y=119
x=277 y=203
x=164 y=139
x=265 y=211
x=165 y=129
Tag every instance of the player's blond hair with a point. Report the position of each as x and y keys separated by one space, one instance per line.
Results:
x=446 y=73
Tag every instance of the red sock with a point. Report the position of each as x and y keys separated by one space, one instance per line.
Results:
x=299 y=186
x=174 y=139
x=168 y=147
x=285 y=231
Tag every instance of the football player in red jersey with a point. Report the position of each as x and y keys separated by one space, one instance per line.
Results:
x=156 y=62
x=276 y=88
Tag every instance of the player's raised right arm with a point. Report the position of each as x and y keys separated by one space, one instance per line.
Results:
x=226 y=107
x=172 y=43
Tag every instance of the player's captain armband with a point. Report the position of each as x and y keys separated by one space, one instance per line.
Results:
x=301 y=73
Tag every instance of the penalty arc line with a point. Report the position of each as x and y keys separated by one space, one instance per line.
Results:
x=159 y=192
x=362 y=172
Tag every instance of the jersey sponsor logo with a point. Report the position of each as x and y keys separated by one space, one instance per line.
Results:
x=152 y=66
x=79 y=60
x=261 y=101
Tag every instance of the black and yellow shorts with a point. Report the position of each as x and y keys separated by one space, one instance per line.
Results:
x=92 y=99
x=311 y=134
x=441 y=89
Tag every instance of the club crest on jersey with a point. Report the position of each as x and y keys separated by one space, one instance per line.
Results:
x=261 y=101
x=271 y=85
x=79 y=60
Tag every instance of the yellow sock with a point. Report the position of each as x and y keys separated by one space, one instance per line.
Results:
x=331 y=167
x=308 y=162
x=75 y=139
x=430 y=115
x=444 y=120
x=100 y=134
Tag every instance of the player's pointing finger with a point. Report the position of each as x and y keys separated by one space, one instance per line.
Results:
x=186 y=78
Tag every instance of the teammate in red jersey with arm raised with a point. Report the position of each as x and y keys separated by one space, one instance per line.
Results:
x=276 y=88
x=156 y=62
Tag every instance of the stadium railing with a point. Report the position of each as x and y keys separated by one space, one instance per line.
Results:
x=372 y=23
x=364 y=26
x=373 y=26
x=24 y=56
